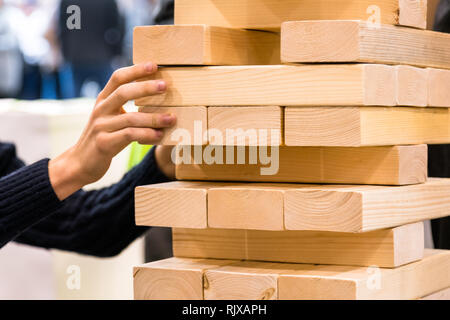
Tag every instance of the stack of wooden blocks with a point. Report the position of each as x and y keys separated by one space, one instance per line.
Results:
x=347 y=106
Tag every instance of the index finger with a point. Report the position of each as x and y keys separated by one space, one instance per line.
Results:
x=126 y=75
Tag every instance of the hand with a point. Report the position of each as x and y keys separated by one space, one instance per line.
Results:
x=109 y=130
x=163 y=156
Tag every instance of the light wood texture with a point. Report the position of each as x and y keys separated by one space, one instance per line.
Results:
x=262 y=280
x=398 y=165
x=172 y=279
x=243 y=281
x=246 y=126
x=384 y=248
x=411 y=281
x=178 y=278
x=356 y=41
x=356 y=127
x=192 y=123
x=174 y=204
x=412 y=86
x=275 y=207
x=269 y=14
x=438 y=87
x=246 y=208
x=440 y=295
x=295 y=85
x=365 y=208
x=204 y=45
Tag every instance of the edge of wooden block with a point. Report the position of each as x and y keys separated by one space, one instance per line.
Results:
x=409 y=243
x=315 y=205
x=413 y=13
x=413 y=160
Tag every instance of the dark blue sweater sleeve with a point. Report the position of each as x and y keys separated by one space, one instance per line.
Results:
x=99 y=223
x=26 y=197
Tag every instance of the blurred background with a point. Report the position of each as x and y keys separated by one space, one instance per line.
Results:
x=51 y=69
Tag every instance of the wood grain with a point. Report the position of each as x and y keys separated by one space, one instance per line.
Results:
x=261 y=280
x=412 y=86
x=438 y=87
x=172 y=279
x=160 y=205
x=204 y=45
x=246 y=208
x=246 y=126
x=275 y=207
x=411 y=281
x=398 y=165
x=192 y=123
x=269 y=14
x=358 y=41
x=365 y=208
x=294 y=85
x=384 y=248
x=181 y=278
x=357 y=127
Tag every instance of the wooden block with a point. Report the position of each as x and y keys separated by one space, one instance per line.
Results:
x=356 y=41
x=243 y=281
x=160 y=205
x=172 y=279
x=411 y=281
x=246 y=126
x=384 y=248
x=438 y=88
x=209 y=243
x=356 y=127
x=398 y=165
x=192 y=123
x=365 y=208
x=295 y=85
x=262 y=280
x=204 y=45
x=276 y=207
x=440 y=295
x=234 y=207
x=269 y=14
x=412 y=86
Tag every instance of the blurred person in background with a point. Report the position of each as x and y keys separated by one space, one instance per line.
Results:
x=11 y=61
x=136 y=13
x=30 y=23
x=88 y=52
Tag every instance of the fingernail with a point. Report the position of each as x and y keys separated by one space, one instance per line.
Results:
x=168 y=119
x=161 y=86
x=149 y=67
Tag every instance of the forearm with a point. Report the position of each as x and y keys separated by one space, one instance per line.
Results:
x=99 y=223
x=26 y=197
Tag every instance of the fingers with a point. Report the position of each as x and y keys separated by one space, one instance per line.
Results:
x=116 y=141
x=137 y=120
x=126 y=75
x=131 y=91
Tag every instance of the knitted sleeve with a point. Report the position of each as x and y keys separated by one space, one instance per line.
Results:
x=99 y=223
x=26 y=197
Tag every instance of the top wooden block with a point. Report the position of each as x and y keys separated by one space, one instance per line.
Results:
x=359 y=41
x=270 y=14
x=204 y=45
